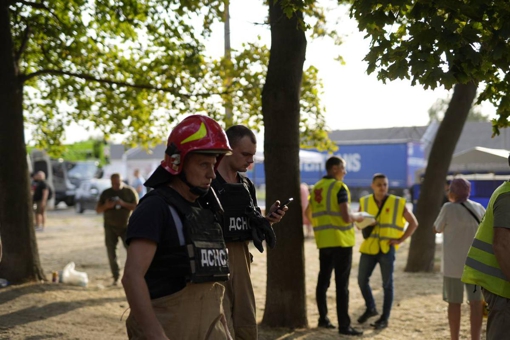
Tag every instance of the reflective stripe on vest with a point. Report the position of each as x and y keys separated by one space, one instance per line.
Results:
x=329 y=227
x=481 y=266
x=389 y=230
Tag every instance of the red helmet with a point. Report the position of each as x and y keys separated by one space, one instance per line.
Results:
x=195 y=133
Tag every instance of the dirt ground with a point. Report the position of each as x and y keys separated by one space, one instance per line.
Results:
x=98 y=311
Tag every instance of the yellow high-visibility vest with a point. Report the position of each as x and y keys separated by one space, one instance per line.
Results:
x=329 y=227
x=482 y=268
x=390 y=223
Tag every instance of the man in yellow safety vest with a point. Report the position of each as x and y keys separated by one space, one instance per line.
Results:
x=488 y=261
x=380 y=245
x=332 y=219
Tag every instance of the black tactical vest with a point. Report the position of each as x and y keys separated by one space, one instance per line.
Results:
x=205 y=255
x=234 y=198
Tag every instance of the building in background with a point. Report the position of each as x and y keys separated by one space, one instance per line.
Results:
x=400 y=153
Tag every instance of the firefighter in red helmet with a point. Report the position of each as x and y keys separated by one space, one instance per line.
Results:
x=176 y=253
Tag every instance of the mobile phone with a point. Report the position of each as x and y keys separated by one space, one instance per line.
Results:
x=289 y=201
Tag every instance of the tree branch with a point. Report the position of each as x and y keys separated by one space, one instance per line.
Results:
x=91 y=78
x=33 y=4
x=39 y=6
x=23 y=45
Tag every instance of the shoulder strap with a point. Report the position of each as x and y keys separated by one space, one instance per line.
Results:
x=247 y=183
x=173 y=200
x=178 y=224
x=382 y=205
x=250 y=187
x=472 y=213
x=245 y=180
x=368 y=230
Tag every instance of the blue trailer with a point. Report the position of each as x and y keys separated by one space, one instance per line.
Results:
x=397 y=160
x=482 y=186
x=311 y=167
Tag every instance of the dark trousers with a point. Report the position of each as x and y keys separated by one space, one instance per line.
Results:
x=339 y=259
x=499 y=315
x=111 y=239
x=367 y=264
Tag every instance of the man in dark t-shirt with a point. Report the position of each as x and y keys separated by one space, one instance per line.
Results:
x=40 y=199
x=116 y=203
x=166 y=300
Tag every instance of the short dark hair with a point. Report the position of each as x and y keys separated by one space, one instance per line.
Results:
x=377 y=176
x=115 y=175
x=237 y=132
x=334 y=160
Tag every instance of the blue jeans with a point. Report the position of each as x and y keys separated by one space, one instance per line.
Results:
x=367 y=264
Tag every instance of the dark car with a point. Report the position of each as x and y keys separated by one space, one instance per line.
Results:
x=87 y=194
x=64 y=177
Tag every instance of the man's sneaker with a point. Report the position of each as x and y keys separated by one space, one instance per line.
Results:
x=325 y=323
x=382 y=323
x=349 y=331
x=368 y=314
x=39 y=229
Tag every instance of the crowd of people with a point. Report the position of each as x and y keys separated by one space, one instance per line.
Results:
x=332 y=219
x=187 y=272
x=476 y=248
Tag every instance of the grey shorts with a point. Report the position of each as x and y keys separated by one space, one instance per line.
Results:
x=453 y=291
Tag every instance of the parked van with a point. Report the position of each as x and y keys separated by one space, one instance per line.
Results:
x=63 y=176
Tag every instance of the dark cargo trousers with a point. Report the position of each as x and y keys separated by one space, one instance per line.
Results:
x=499 y=315
x=111 y=239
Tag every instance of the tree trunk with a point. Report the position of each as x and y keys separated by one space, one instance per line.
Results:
x=421 y=252
x=285 y=293
x=20 y=261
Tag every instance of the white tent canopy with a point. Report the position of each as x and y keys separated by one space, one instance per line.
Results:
x=477 y=160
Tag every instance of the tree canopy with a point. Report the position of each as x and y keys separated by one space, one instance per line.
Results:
x=116 y=64
x=441 y=42
x=133 y=67
x=450 y=43
x=128 y=67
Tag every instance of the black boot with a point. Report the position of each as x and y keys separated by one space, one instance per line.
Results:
x=349 y=331
x=368 y=314
x=381 y=323
x=325 y=323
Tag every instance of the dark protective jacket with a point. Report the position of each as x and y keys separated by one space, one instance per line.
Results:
x=204 y=258
x=235 y=198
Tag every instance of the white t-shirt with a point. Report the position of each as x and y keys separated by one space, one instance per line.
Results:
x=459 y=228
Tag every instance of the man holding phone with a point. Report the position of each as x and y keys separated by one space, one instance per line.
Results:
x=242 y=222
x=116 y=203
